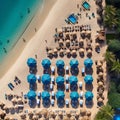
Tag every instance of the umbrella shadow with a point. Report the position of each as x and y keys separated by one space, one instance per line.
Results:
x=61 y=103
x=81 y=55
x=89 y=104
x=12 y=111
x=33 y=70
x=89 y=55
x=33 y=86
x=75 y=103
x=74 y=55
x=68 y=55
x=61 y=87
x=89 y=87
x=47 y=71
x=56 y=55
x=32 y=103
x=46 y=87
x=74 y=87
x=74 y=71
x=89 y=71
x=46 y=103
x=61 y=71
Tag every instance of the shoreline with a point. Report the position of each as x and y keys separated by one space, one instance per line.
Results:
x=29 y=32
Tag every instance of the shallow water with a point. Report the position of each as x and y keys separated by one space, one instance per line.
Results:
x=15 y=15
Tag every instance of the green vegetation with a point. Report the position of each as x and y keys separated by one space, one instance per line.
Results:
x=112 y=57
x=105 y=113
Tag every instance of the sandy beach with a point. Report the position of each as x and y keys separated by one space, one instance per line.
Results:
x=45 y=22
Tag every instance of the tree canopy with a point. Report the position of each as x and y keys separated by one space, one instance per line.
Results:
x=105 y=113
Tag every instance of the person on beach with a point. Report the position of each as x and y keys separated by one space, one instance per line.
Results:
x=8 y=41
x=46 y=41
x=24 y=40
x=36 y=56
x=28 y=10
x=5 y=50
x=35 y=30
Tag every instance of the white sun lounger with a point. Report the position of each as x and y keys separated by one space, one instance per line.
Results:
x=67 y=101
x=51 y=86
x=67 y=68
x=53 y=93
x=53 y=68
x=39 y=94
x=80 y=84
x=81 y=102
x=38 y=77
x=81 y=94
x=67 y=86
x=53 y=79
x=67 y=77
x=52 y=101
x=38 y=101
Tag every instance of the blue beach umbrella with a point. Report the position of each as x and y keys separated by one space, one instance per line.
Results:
x=74 y=63
x=45 y=95
x=116 y=117
x=89 y=95
x=60 y=95
x=88 y=79
x=88 y=63
x=31 y=78
x=31 y=94
x=73 y=80
x=60 y=80
x=46 y=79
x=46 y=63
x=31 y=62
x=74 y=95
x=60 y=64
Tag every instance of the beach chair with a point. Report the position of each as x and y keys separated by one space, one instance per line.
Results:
x=67 y=78
x=67 y=69
x=51 y=86
x=38 y=78
x=53 y=94
x=39 y=94
x=52 y=102
x=80 y=84
x=67 y=87
x=81 y=103
x=83 y=71
x=53 y=69
x=67 y=101
x=53 y=79
x=81 y=94
x=38 y=102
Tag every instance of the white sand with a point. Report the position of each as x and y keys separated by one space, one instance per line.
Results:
x=36 y=45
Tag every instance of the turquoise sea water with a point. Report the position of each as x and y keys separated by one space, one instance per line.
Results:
x=15 y=15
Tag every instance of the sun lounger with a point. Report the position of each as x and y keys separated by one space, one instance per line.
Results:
x=52 y=102
x=53 y=79
x=83 y=71
x=81 y=102
x=38 y=77
x=81 y=94
x=38 y=102
x=67 y=101
x=67 y=86
x=39 y=94
x=80 y=84
x=52 y=69
x=67 y=68
x=67 y=78
x=53 y=93
x=51 y=86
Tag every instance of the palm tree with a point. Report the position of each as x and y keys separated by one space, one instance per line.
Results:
x=110 y=19
x=105 y=113
x=116 y=67
x=109 y=57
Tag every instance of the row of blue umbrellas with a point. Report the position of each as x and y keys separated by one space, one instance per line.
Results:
x=31 y=62
x=46 y=78
x=60 y=95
